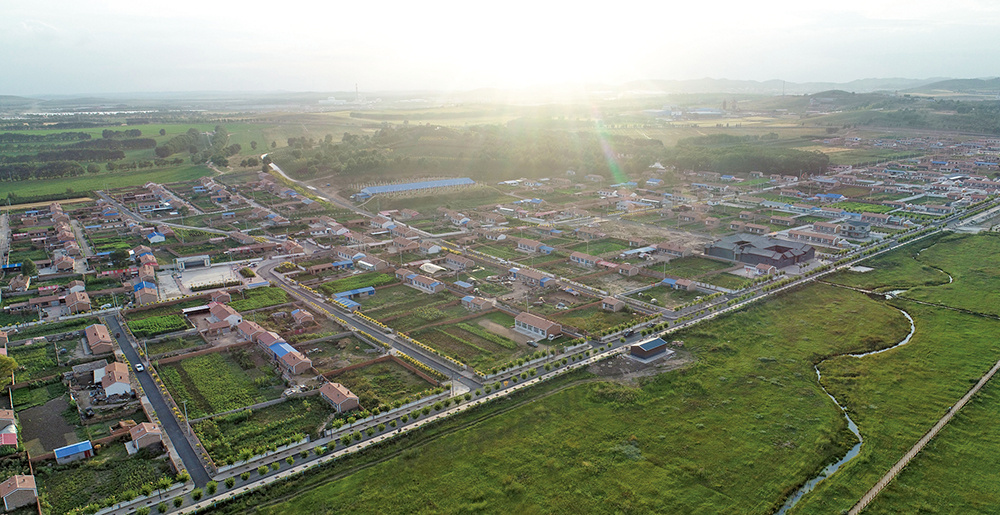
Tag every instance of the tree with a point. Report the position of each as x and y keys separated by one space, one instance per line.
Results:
x=120 y=258
x=274 y=144
x=262 y=469
x=178 y=501
x=163 y=132
x=212 y=487
x=290 y=460
x=29 y=268
x=230 y=481
x=244 y=476
x=196 y=494
x=143 y=510
x=162 y=507
x=253 y=145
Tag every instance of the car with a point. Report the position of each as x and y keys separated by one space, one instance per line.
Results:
x=533 y=343
x=139 y=367
x=628 y=333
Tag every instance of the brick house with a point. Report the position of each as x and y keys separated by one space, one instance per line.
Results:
x=339 y=397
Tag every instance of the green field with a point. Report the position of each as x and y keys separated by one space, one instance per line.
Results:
x=219 y=382
x=381 y=384
x=238 y=436
x=667 y=297
x=598 y=247
x=974 y=263
x=593 y=319
x=897 y=269
x=681 y=443
x=157 y=325
x=468 y=343
x=104 y=181
x=257 y=298
x=860 y=207
x=354 y=282
x=692 y=266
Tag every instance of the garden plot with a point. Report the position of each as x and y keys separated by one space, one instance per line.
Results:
x=382 y=384
x=615 y=283
x=331 y=355
x=354 y=282
x=553 y=301
x=692 y=267
x=222 y=381
x=239 y=436
x=666 y=297
x=165 y=345
x=599 y=247
x=110 y=473
x=593 y=319
x=280 y=321
x=422 y=315
x=474 y=342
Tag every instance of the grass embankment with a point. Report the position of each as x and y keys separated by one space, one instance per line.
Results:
x=683 y=442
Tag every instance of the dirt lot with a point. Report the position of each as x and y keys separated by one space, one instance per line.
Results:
x=626 y=369
x=652 y=234
x=44 y=427
x=504 y=331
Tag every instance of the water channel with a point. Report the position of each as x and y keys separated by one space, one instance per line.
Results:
x=833 y=467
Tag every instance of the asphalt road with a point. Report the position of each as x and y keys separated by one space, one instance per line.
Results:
x=167 y=420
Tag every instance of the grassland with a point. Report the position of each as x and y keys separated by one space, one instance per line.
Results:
x=592 y=319
x=218 y=382
x=598 y=247
x=103 y=181
x=974 y=263
x=691 y=442
x=895 y=397
x=955 y=472
x=381 y=384
x=357 y=281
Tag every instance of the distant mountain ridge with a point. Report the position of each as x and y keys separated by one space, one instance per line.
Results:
x=776 y=87
x=968 y=86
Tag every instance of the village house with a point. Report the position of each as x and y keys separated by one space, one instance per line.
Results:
x=532 y=278
x=17 y=491
x=294 y=363
x=144 y=435
x=877 y=219
x=249 y=330
x=425 y=284
x=628 y=270
x=218 y=312
x=814 y=237
x=114 y=379
x=612 y=304
x=339 y=397
x=672 y=249
x=222 y=297
x=20 y=283
x=581 y=259
x=74 y=452
x=678 y=284
x=78 y=302
x=99 y=339
x=476 y=303
x=536 y=326
x=456 y=262
x=303 y=318
x=826 y=228
x=428 y=247
x=786 y=221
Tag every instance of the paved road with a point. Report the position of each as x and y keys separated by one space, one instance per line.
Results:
x=78 y=231
x=4 y=238
x=167 y=420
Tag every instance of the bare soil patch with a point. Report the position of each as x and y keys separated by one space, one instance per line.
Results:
x=625 y=369
x=45 y=428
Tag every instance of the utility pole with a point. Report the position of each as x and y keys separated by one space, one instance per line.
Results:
x=186 y=421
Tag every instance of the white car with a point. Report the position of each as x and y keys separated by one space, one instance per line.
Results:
x=139 y=367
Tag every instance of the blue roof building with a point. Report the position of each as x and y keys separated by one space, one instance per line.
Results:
x=649 y=348
x=143 y=284
x=279 y=349
x=76 y=451
x=412 y=186
x=366 y=291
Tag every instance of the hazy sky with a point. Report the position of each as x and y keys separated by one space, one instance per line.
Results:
x=95 y=46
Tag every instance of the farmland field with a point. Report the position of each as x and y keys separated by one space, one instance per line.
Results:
x=112 y=472
x=251 y=432
x=175 y=343
x=356 y=281
x=381 y=384
x=858 y=207
x=73 y=186
x=153 y=326
x=470 y=346
x=693 y=266
x=213 y=383
x=592 y=319
x=257 y=298
x=35 y=361
x=598 y=247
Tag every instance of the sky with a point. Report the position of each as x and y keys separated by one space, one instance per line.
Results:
x=114 y=46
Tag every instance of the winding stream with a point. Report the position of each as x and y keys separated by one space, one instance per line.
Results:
x=833 y=467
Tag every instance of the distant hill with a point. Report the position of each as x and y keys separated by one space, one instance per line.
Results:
x=960 y=86
x=776 y=87
x=8 y=101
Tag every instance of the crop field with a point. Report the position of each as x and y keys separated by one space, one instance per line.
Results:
x=112 y=472
x=468 y=342
x=501 y=251
x=859 y=207
x=331 y=355
x=420 y=316
x=257 y=298
x=238 y=436
x=666 y=297
x=354 y=282
x=702 y=454
x=692 y=266
x=592 y=319
x=381 y=384
x=29 y=397
x=213 y=383
x=157 y=311
x=157 y=325
x=175 y=343
x=599 y=247
x=402 y=300
x=726 y=280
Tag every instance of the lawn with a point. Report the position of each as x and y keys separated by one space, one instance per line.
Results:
x=692 y=266
x=593 y=319
x=381 y=384
x=893 y=270
x=231 y=438
x=861 y=207
x=666 y=297
x=726 y=280
x=690 y=442
x=112 y=472
x=213 y=383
